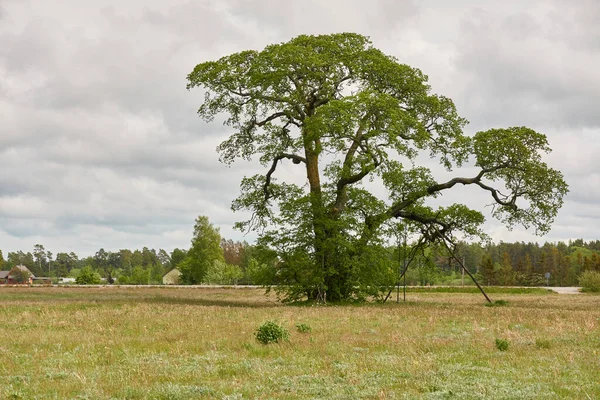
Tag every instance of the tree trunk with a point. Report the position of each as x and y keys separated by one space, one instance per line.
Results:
x=318 y=215
x=328 y=265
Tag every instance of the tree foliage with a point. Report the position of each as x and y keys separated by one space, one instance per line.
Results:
x=487 y=271
x=206 y=249
x=345 y=113
x=19 y=275
x=177 y=256
x=222 y=273
x=87 y=276
x=590 y=281
x=21 y=258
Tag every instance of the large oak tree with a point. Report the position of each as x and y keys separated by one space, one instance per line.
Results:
x=344 y=113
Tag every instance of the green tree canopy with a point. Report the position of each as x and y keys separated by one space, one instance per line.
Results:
x=177 y=256
x=87 y=276
x=346 y=113
x=206 y=249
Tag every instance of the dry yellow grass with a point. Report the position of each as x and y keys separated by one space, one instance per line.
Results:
x=165 y=343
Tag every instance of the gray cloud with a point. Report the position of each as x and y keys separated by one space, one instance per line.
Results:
x=313 y=16
x=100 y=145
x=529 y=65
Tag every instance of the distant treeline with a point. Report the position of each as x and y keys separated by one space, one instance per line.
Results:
x=520 y=263
x=523 y=264
x=146 y=266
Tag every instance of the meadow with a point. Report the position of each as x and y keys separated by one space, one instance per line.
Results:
x=164 y=343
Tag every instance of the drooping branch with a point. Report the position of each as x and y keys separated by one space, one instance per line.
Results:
x=422 y=219
x=400 y=208
x=496 y=195
x=438 y=187
x=477 y=181
x=466 y=181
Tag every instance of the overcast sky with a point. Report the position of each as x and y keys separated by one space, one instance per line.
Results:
x=100 y=145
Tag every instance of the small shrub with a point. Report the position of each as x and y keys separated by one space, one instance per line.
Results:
x=271 y=332
x=590 y=281
x=303 y=328
x=497 y=303
x=542 y=343
x=502 y=344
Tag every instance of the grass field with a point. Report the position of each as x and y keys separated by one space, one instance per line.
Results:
x=160 y=343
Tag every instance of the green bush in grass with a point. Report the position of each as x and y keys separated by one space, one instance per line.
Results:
x=271 y=332
x=502 y=344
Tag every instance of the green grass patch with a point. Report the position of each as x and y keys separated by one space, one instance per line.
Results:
x=153 y=343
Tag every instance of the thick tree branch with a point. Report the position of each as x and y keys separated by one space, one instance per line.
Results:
x=495 y=194
x=397 y=210
x=271 y=117
x=296 y=159
x=477 y=181
x=347 y=179
x=262 y=97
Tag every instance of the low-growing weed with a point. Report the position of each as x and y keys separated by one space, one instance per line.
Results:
x=502 y=344
x=303 y=328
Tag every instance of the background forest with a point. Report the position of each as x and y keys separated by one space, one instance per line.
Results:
x=215 y=260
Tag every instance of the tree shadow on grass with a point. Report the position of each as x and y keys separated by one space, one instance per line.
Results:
x=86 y=299
x=208 y=302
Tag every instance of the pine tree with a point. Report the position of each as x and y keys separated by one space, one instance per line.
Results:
x=487 y=271
x=528 y=276
x=506 y=275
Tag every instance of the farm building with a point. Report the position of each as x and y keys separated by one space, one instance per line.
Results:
x=173 y=277
x=18 y=274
